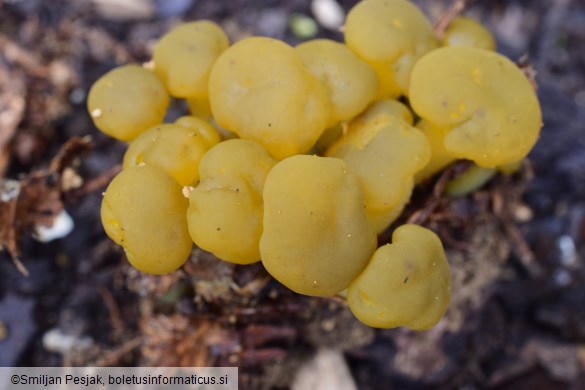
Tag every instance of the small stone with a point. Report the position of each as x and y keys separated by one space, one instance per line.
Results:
x=328 y=13
x=57 y=341
x=327 y=370
x=523 y=213
x=62 y=226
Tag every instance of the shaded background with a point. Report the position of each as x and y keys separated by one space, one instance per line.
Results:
x=517 y=319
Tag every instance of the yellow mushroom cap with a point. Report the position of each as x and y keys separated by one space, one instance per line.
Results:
x=390 y=35
x=351 y=83
x=406 y=283
x=467 y=32
x=440 y=158
x=126 y=101
x=261 y=90
x=226 y=209
x=176 y=148
x=385 y=152
x=316 y=235
x=143 y=210
x=208 y=133
x=382 y=112
x=183 y=57
x=485 y=99
x=199 y=107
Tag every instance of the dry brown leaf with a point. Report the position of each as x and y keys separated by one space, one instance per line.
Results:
x=36 y=199
x=178 y=341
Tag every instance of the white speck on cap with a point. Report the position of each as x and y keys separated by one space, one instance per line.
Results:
x=96 y=113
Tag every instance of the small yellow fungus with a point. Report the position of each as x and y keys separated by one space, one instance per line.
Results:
x=440 y=158
x=316 y=237
x=385 y=152
x=226 y=208
x=208 y=133
x=199 y=107
x=183 y=57
x=467 y=32
x=495 y=121
x=350 y=82
x=176 y=148
x=261 y=90
x=390 y=35
x=143 y=210
x=126 y=101
x=406 y=283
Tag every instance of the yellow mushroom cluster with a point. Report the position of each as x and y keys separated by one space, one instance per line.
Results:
x=299 y=157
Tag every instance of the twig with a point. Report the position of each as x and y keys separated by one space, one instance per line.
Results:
x=19 y=266
x=448 y=16
x=504 y=199
x=421 y=216
x=94 y=184
x=111 y=358
x=113 y=308
x=528 y=69
x=252 y=288
x=73 y=148
x=525 y=254
x=337 y=299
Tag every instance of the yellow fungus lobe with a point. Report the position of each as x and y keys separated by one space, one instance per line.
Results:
x=321 y=240
x=226 y=209
x=500 y=120
x=350 y=82
x=406 y=283
x=176 y=148
x=467 y=32
x=390 y=35
x=385 y=152
x=126 y=101
x=143 y=210
x=254 y=91
x=184 y=56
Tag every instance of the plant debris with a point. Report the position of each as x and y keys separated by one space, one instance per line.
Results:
x=36 y=199
x=455 y=9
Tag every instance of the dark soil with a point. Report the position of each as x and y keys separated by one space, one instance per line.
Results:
x=517 y=319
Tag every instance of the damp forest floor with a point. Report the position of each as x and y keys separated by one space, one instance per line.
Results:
x=517 y=318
